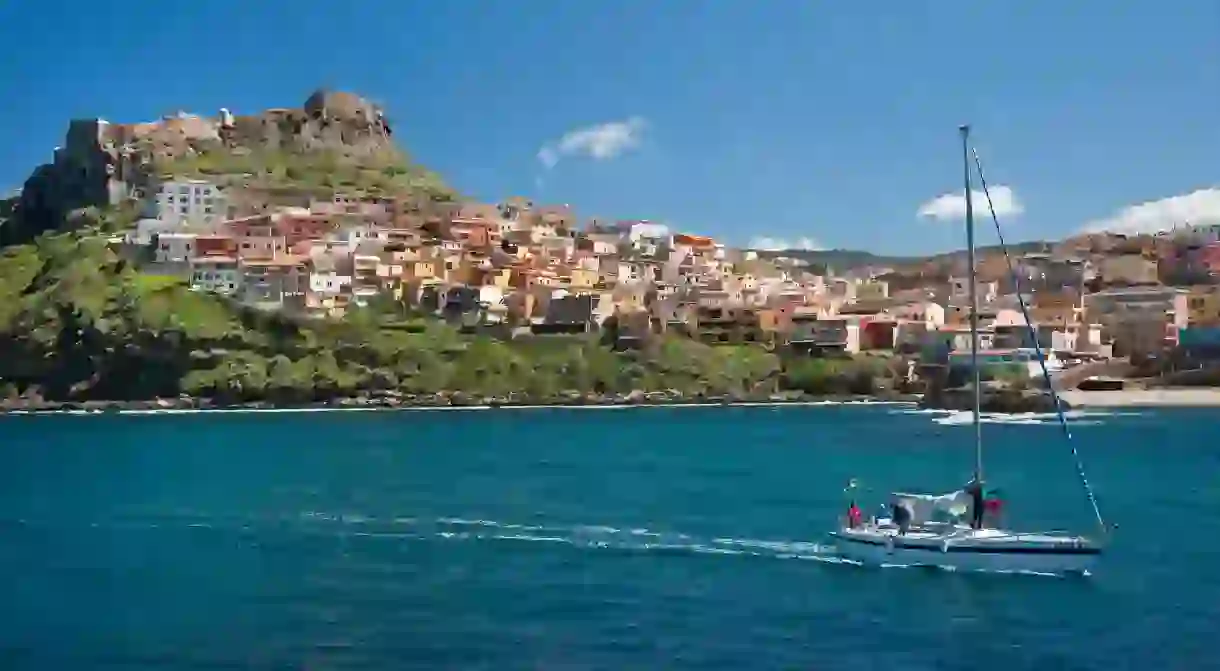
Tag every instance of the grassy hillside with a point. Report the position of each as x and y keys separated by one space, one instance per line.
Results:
x=319 y=174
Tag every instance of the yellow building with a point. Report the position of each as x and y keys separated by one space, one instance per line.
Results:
x=872 y=290
x=500 y=277
x=1203 y=306
x=629 y=301
x=419 y=270
x=582 y=278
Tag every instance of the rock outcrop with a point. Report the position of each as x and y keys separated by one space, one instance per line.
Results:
x=994 y=400
x=104 y=164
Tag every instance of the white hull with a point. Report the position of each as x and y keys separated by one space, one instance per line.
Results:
x=963 y=548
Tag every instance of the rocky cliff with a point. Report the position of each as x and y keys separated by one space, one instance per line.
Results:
x=334 y=140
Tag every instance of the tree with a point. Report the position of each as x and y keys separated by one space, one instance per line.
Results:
x=84 y=218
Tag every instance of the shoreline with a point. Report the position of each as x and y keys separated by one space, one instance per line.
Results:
x=191 y=405
x=1171 y=397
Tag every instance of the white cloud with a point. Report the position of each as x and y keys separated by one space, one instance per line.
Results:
x=600 y=142
x=952 y=206
x=1197 y=208
x=779 y=244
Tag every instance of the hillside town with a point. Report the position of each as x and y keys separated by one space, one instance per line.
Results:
x=523 y=266
x=313 y=211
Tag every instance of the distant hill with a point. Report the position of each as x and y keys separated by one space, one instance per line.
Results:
x=842 y=260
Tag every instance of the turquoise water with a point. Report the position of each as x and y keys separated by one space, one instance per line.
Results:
x=656 y=538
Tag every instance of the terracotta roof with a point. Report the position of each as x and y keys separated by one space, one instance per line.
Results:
x=279 y=261
x=241 y=221
x=477 y=211
x=685 y=238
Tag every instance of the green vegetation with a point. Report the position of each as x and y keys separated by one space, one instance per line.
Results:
x=77 y=322
x=320 y=173
x=835 y=376
x=1013 y=376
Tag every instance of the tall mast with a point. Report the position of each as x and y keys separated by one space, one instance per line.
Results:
x=974 y=309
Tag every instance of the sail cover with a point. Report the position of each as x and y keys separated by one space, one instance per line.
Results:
x=929 y=507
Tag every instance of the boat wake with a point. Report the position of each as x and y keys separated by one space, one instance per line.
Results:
x=963 y=417
x=354 y=527
x=591 y=537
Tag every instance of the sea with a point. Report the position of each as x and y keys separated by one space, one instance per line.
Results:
x=636 y=538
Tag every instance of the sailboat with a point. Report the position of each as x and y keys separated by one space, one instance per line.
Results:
x=925 y=529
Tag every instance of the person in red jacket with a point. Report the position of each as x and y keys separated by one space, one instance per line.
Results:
x=853 y=515
x=993 y=506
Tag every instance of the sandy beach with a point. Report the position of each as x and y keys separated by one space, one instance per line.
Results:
x=1133 y=398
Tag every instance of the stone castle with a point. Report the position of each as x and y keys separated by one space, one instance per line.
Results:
x=102 y=163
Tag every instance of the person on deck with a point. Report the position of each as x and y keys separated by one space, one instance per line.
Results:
x=853 y=515
x=993 y=505
x=901 y=516
x=975 y=490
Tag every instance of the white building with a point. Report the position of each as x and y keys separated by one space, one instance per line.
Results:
x=178 y=204
x=174 y=247
x=628 y=272
x=639 y=230
x=603 y=247
x=329 y=284
x=930 y=314
x=959 y=289
x=644 y=236
x=217 y=274
x=367 y=235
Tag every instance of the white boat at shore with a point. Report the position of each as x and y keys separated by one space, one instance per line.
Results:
x=927 y=530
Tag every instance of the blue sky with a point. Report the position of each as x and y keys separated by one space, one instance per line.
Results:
x=831 y=121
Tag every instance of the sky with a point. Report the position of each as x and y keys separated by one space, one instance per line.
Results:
x=786 y=122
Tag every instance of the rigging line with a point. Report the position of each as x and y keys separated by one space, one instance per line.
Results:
x=1046 y=376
